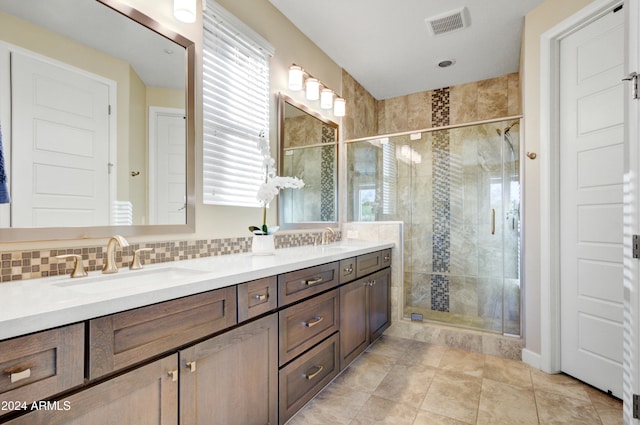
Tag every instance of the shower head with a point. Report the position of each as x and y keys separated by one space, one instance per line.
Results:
x=506 y=130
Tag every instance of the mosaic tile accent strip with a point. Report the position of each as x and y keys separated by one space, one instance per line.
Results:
x=327 y=175
x=22 y=265
x=327 y=184
x=441 y=236
x=440 y=107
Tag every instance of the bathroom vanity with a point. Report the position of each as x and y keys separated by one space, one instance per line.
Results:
x=235 y=339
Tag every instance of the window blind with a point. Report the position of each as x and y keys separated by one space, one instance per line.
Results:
x=235 y=110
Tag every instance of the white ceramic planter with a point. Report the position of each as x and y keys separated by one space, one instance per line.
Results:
x=263 y=245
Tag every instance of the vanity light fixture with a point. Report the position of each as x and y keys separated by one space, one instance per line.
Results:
x=326 y=98
x=339 y=107
x=312 y=88
x=315 y=89
x=296 y=74
x=185 y=10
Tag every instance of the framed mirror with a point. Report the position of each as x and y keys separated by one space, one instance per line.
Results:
x=97 y=122
x=308 y=150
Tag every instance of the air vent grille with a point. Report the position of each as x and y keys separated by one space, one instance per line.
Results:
x=448 y=22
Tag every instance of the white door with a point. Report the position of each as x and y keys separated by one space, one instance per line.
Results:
x=632 y=219
x=60 y=146
x=591 y=177
x=167 y=166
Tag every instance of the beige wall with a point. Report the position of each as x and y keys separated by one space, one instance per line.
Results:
x=541 y=19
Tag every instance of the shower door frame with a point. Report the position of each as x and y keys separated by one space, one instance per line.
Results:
x=522 y=198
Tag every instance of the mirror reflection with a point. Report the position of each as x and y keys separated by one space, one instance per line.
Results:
x=309 y=150
x=92 y=112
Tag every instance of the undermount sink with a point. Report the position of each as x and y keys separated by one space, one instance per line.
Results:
x=128 y=279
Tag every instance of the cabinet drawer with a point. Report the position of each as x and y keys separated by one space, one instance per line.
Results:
x=347 y=270
x=369 y=263
x=257 y=297
x=300 y=284
x=130 y=337
x=307 y=375
x=305 y=324
x=40 y=365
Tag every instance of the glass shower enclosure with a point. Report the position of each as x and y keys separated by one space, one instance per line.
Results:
x=457 y=190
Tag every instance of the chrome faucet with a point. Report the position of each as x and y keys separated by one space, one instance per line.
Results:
x=110 y=262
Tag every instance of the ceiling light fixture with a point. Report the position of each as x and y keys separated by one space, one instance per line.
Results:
x=446 y=63
x=185 y=10
x=315 y=89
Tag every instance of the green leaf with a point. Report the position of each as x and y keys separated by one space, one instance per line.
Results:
x=253 y=228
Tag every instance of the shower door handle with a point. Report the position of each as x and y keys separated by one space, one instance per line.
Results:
x=493 y=221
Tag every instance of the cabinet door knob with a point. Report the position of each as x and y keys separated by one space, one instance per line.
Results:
x=191 y=366
x=313 y=322
x=174 y=375
x=310 y=376
x=373 y=283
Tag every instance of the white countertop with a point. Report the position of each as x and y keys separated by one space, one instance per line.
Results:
x=37 y=304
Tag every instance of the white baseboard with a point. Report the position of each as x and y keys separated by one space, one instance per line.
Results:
x=532 y=359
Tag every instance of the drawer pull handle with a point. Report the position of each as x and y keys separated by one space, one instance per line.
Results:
x=19 y=376
x=312 y=323
x=313 y=281
x=387 y=257
x=372 y=283
x=348 y=270
x=174 y=375
x=260 y=297
x=191 y=366
x=310 y=376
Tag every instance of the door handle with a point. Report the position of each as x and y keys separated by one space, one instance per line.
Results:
x=315 y=281
x=313 y=322
x=493 y=221
x=633 y=77
x=309 y=376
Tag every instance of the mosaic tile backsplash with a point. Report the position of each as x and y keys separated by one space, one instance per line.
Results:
x=20 y=265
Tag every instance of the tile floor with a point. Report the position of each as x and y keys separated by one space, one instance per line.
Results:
x=399 y=381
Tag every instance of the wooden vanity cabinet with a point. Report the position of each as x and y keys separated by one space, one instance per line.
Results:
x=232 y=378
x=252 y=353
x=144 y=396
x=365 y=312
x=40 y=365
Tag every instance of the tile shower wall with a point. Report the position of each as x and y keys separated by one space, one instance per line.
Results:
x=20 y=265
x=476 y=101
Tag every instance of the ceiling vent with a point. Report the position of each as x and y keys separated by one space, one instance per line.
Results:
x=451 y=21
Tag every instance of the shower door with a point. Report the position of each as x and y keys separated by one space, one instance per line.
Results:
x=458 y=193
